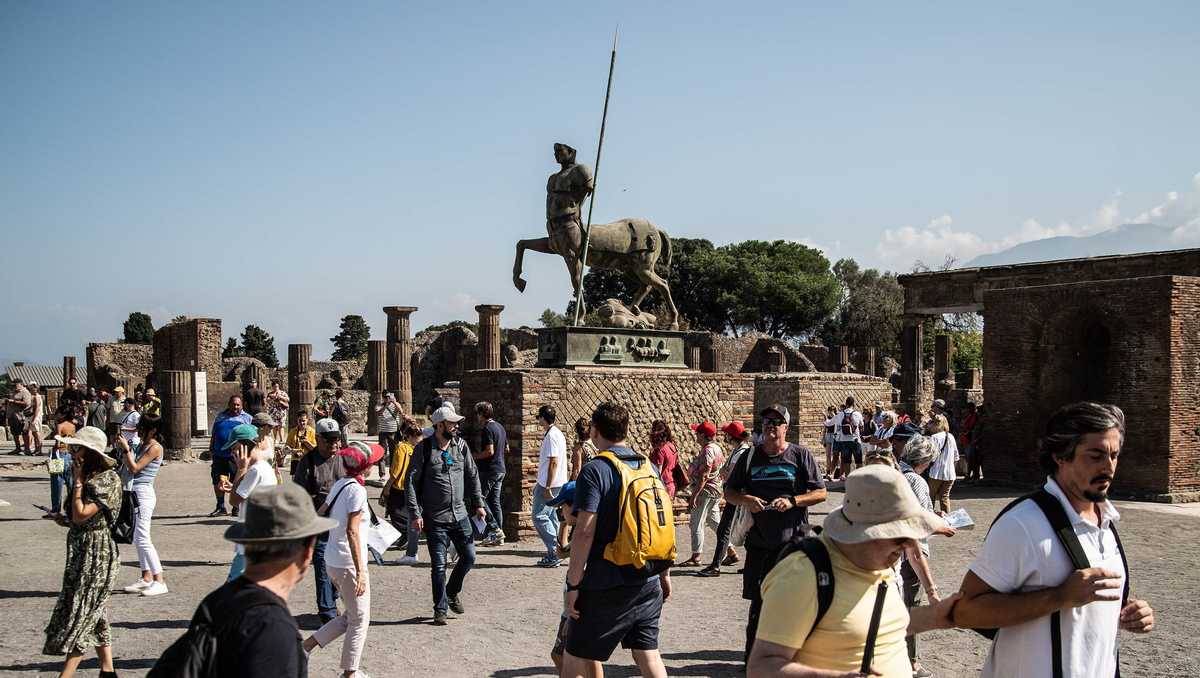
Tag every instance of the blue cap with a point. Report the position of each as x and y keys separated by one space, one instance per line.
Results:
x=565 y=496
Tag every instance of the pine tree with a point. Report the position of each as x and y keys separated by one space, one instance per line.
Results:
x=232 y=350
x=351 y=340
x=256 y=343
x=138 y=329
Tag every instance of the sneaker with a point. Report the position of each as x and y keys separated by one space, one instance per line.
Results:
x=456 y=605
x=218 y=511
x=406 y=560
x=549 y=562
x=155 y=589
x=234 y=512
x=439 y=618
x=709 y=572
x=494 y=539
x=138 y=586
x=731 y=560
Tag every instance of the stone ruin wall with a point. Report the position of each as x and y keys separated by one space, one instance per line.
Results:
x=107 y=363
x=807 y=396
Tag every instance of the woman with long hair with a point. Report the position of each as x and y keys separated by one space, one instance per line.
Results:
x=79 y=620
x=584 y=451
x=35 y=422
x=664 y=454
x=277 y=407
x=941 y=473
x=142 y=466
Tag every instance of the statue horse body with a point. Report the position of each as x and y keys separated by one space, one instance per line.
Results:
x=631 y=246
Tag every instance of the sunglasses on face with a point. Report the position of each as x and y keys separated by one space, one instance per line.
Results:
x=772 y=423
x=447 y=460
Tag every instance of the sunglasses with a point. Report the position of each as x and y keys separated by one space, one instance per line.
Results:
x=447 y=460
x=771 y=423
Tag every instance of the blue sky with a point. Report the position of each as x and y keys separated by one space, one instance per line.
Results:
x=289 y=163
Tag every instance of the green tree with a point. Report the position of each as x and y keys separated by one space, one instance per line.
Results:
x=780 y=288
x=138 y=329
x=256 y=343
x=551 y=319
x=968 y=350
x=231 y=350
x=870 y=311
x=351 y=340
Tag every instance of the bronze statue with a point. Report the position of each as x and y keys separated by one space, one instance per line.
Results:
x=631 y=246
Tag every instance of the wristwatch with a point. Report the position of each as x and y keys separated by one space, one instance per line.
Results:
x=573 y=587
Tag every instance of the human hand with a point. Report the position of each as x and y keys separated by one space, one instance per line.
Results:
x=1137 y=617
x=242 y=457
x=569 y=601
x=754 y=503
x=781 y=504
x=418 y=524
x=547 y=493
x=1090 y=585
x=225 y=486
x=946 y=531
x=360 y=585
x=481 y=512
x=943 y=610
x=664 y=580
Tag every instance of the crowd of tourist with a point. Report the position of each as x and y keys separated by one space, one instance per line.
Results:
x=1052 y=604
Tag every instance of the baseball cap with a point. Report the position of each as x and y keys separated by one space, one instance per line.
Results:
x=265 y=419
x=445 y=413
x=706 y=428
x=565 y=496
x=327 y=426
x=241 y=433
x=905 y=431
x=940 y=404
x=735 y=428
x=777 y=411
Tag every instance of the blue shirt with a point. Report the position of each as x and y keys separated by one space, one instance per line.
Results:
x=221 y=429
x=493 y=434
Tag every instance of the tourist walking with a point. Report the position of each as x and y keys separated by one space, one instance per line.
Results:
x=942 y=472
x=277 y=406
x=583 y=450
x=394 y=496
x=738 y=439
x=339 y=411
x=129 y=423
x=856 y=554
x=97 y=410
x=59 y=466
x=79 y=620
x=301 y=440
x=142 y=466
x=116 y=410
x=253 y=468
x=256 y=635
x=265 y=443
x=489 y=458
x=552 y=475
x=222 y=459
x=19 y=407
x=316 y=472
x=255 y=398
x=827 y=441
x=610 y=604
x=665 y=456
x=1051 y=567
x=346 y=558
x=151 y=405
x=387 y=416
x=442 y=480
x=704 y=475
x=36 y=418
x=847 y=446
x=776 y=484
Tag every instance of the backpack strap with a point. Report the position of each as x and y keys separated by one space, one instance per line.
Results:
x=814 y=549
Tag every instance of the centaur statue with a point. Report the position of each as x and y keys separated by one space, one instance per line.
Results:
x=631 y=246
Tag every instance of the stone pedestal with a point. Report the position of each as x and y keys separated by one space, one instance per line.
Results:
x=611 y=347
x=399 y=355
x=375 y=376
x=68 y=369
x=177 y=414
x=487 y=355
x=300 y=386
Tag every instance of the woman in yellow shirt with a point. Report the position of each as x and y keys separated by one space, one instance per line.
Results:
x=301 y=439
x=393 y=493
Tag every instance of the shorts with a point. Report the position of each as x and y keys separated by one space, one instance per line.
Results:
x=626 y=615
x=222 y=467
x=848 y=451
x=16 y=426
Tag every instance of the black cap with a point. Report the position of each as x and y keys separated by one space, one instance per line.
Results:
x=778 y=411
x=905 y=431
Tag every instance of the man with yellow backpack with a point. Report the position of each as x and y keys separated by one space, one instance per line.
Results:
x=621 y=552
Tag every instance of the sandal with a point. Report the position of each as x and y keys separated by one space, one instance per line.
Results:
x=731 y=560
x=690 y=562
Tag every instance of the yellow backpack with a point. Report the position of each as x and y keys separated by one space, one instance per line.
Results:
x=645 y=541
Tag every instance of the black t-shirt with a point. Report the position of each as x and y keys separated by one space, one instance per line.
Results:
x=492 y=434
x=72 y=397
x=791 y=473
x=597 y=490
x=256 y=401
x=265 y=643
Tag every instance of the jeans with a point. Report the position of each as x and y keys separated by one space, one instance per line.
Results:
x=143 y=511
x=724 y=534
x=352 y=623
x=59 y=484
x=491 y=502
x=438 y=537
x=708 y=510
x=388 y=442
x=326 y=594
x=545 y=519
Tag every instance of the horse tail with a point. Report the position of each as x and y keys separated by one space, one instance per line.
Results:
x=666 y=245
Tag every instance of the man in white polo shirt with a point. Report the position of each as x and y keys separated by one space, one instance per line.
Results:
x=1023 y=582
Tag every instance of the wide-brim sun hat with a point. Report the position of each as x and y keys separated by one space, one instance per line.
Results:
x=91 y=438
x=879 y=504
x=278 y=513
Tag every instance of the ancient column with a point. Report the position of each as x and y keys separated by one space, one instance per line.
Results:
x=399 y=354
x=487 y=356
x=68 y=369
x=693 y=357
x=866 y=360
x=843 y=359
x=177 y=414
x=300 y=387
x=911 y=370
x=776 y=360
x=375 y=378
x=943 y=361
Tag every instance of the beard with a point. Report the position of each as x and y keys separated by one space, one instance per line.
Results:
x=1095 y=496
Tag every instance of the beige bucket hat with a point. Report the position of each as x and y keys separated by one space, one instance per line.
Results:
x=879 y=505
x=93 y=439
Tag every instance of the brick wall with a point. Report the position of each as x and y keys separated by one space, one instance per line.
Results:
x=193 y=345
x=1127 y=342
x=808 y=395
x=108 y=360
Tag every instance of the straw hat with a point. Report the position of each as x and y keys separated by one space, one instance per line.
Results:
x=879 y=505
x=278 y=513
x=91 y=438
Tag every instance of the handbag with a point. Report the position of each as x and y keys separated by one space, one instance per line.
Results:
x=380 y=535
x=121 y=525
x=56 y=464
x=743 y=520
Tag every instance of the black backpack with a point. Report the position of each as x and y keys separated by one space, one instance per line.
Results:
x=814 y=549
x=1060 y=523
x=194 y=654
x=847 y=422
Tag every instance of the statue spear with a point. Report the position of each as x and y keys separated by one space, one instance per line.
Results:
x=587 y=233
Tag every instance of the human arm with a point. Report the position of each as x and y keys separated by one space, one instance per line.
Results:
x=920 y=565
x=81 y=510
x=581 y=546
x=984 y=607
x=736 y=487
x=551 y=467
x=772 y=660
x=487 y=446
x=576 y=461
x=939 y=615
x=472 y=487
x=353 y=526
x=135 y=467
x=416 y=474
x=809 y=487
x=244 y=479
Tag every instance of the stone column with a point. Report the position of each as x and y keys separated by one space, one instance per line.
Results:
x=843 y=359
x=300 y=387
x=693 y=357
x=866 y=359
x=487 y=356
x=68 y=369
x=776 y=360
x=375 y=378
x=943 y=361
x=399 y=355
x=911 y=369
x=177 y=414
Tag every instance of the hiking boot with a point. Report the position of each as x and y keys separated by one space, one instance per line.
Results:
x=218 y=511
x=439 y=618
x=456 y=605
x=234 y=512
x=709 y=572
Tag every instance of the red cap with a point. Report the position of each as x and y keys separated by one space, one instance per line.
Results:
x=707 y=428
x=735 y=428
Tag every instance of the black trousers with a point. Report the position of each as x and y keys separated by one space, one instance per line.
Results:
x=758 y=564
x=724 y=531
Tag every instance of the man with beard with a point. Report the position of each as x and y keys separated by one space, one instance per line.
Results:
x=1049 y=613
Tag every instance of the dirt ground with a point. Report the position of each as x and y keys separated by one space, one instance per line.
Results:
x=513 y=607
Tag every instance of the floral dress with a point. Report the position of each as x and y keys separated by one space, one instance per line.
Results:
x=277 y=406
x=79 y=622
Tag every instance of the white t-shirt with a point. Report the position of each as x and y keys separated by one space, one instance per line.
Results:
x=353 y=499
x=856 y=422
x=554 y=446
x=260 y=474
x=942 y=467
x=129 y=427
x=1021 y=553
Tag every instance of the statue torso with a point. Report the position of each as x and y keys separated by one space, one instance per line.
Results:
x=565 y=192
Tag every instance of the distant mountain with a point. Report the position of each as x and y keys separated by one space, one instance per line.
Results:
x=1124 y=239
